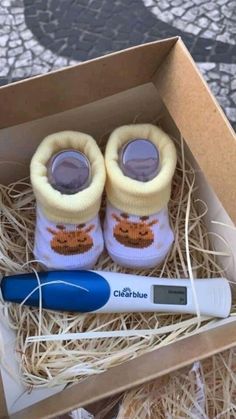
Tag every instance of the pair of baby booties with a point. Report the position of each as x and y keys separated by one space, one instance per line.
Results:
x=136 y=230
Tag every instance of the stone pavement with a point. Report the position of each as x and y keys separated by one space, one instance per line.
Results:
x=37 y=36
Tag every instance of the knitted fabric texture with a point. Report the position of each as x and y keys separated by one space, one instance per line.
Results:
x=137 y=232
x=134 y=241
x=68 y=233
x=58 y=207
x=130 y=195
x=67 y=246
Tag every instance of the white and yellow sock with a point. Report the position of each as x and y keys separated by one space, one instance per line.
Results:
x=137 y=232
x=68 y=234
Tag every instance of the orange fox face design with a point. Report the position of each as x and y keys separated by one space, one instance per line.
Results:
x=71 y=242
x=133 y=234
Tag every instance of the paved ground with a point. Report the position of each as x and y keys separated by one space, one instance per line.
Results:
x=39 y=35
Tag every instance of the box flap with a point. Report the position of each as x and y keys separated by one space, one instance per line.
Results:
x=201 y=121
x=81 y=84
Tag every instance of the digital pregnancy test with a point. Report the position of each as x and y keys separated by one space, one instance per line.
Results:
x=110 y=292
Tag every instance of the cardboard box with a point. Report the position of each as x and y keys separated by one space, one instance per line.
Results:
x=96 y=97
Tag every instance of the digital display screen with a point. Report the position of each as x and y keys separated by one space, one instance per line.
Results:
x=166 y=294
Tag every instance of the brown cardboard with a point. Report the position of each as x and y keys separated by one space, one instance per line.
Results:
x=97 y=118
x=201 y=122
x=96 y=96
x=81 y=84
x=3 y=406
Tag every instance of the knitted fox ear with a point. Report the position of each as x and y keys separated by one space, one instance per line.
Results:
x=80 y=226
x=60 y=227
x=89 y=228
x=144 y=218
x=50 y=230
x=116 y=217
x=152 y=223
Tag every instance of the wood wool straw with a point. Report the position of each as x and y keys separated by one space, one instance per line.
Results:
x=205 y=391
x=52 y=363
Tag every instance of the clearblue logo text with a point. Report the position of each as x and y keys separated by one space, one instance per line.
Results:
x=128 y=293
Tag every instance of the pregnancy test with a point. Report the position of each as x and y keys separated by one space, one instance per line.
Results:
x=110 y=292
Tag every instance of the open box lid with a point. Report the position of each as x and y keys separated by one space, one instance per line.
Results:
x=168 y=65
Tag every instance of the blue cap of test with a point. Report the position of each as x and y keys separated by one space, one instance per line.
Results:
x=81 y=291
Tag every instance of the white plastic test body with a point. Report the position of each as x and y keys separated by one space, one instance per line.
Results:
x=131 y=293
x=110 y=292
